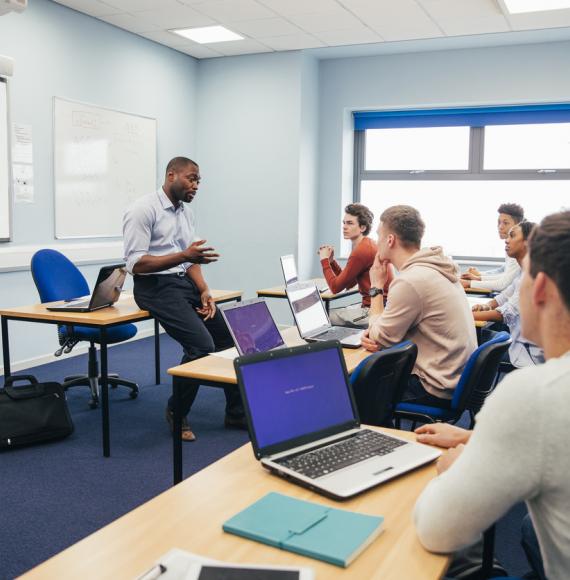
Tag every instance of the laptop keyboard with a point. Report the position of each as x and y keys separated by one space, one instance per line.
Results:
x=325 y=460
x=336 y=333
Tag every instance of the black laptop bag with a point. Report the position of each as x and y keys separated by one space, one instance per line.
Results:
x=32 y=413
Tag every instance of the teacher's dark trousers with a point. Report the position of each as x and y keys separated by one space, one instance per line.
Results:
x=172 y=300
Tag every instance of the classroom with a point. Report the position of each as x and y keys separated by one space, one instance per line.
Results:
x=282 y=124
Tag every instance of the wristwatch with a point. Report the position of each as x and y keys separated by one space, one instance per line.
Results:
x=375 y=292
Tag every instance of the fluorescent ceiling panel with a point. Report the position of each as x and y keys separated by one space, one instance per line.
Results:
x=520 y=6
x=208 y=34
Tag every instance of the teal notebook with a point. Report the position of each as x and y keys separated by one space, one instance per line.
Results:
x=307 y=528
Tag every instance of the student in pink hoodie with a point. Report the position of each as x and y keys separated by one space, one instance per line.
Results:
x=426 y=305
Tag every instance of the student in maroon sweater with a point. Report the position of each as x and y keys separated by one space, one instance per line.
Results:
x=356 y=225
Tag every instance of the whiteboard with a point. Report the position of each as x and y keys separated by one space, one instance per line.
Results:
x=103 y=160
x=5 y=197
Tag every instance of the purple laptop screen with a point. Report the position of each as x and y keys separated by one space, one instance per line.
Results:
x=296 y=395
x=253 y=328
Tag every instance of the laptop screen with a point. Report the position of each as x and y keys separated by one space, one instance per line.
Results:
x=252 y=327
x=307 y=308
x=109 y=285
x=294 y=396
x=289 y=269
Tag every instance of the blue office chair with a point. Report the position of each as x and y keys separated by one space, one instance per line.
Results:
x=379 y=381
x=57 y=278
x=475 y=384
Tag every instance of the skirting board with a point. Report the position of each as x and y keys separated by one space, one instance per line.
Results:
x=79 y=350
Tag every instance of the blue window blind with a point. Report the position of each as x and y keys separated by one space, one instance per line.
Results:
x=473 y=117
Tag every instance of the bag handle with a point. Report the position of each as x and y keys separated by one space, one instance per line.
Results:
x=34 y=389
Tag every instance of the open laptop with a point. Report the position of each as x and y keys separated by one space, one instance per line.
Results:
x=312 y=320
x=251 y=325
x=289 y=267
x=304 y=425
x=106 y=292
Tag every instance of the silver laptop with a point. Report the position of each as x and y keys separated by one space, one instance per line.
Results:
x=304 y=425
x=312 y=319
x=251 y=325
x=106 y=292
x=289 y=267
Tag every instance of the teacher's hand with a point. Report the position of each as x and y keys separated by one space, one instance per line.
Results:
x=197 y=253
x=208 y=308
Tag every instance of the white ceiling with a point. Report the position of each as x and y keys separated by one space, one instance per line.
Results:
x=276 y=25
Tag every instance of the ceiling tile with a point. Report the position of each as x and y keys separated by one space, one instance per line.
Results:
x=293 y=42
x=337 y=19
x=360 y=35
x=538 y=20
x=234 y=10
x=128 y=22
x=402 y=20
x=460 y=17
x=198 y=51
x=265 y=27
x=91 y=7
x=167 y=38
x=179 y=16
x=141 y=5
x=235 y=47
x=289 y=7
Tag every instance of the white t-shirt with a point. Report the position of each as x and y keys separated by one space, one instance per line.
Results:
x=518 y=452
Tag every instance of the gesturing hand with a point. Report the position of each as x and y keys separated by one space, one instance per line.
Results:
x=197 y=253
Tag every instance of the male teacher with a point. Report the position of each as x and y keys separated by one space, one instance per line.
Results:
x=164 y=254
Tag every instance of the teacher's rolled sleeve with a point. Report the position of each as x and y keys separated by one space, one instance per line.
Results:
x=137 y=229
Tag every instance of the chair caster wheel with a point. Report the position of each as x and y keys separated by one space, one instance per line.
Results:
x=113 y=385
x=133 y=394
x=93 y=403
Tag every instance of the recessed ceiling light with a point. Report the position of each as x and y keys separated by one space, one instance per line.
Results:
x=520 y=6
x=208 y=34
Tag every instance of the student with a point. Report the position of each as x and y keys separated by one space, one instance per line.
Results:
x=164 y=254
x=505 y=307
x=427 y=305
x=510 y=214
x=518 y=449
x=356 y=226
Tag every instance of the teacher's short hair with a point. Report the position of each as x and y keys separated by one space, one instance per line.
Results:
x=178 y=163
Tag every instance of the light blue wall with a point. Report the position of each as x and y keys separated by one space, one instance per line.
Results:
x=479 y=76
x=60 y=52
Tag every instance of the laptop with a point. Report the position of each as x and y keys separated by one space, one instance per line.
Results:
x=251 y=325
x=304 y=425
x=106 y=292
x=289 y=267
x=312 y=319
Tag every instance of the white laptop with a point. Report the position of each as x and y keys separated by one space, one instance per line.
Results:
x=251 y=325
x=312 y=319
x=289 y=267
x=304 y=425
x=106 y=292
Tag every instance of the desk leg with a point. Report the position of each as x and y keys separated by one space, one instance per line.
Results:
x=5 y=347
x=177 y=431
x=156 y=352
x=105 y=394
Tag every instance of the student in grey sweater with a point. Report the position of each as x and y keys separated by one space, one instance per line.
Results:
x=518 y=450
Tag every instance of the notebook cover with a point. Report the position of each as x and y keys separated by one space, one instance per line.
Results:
x=310 y=529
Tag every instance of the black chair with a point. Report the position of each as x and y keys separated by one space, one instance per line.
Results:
x=57 y=278
x=476 y=383
x=379 y=381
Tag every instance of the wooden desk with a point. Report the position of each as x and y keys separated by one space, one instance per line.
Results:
x=190 y=516
x=216 y=371
x=328 y=297
x=123 y=311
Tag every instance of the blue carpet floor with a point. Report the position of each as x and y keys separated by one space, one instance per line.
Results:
x=53 y=495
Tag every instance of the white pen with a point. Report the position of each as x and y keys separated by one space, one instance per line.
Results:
x=154 y=573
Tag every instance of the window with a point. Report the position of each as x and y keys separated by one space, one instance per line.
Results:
x=457 y=166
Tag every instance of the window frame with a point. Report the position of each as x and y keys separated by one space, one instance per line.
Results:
x=474 y=172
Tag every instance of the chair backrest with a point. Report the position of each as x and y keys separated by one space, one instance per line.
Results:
x=56 y=277
x=478 y=376
x=379 y=381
